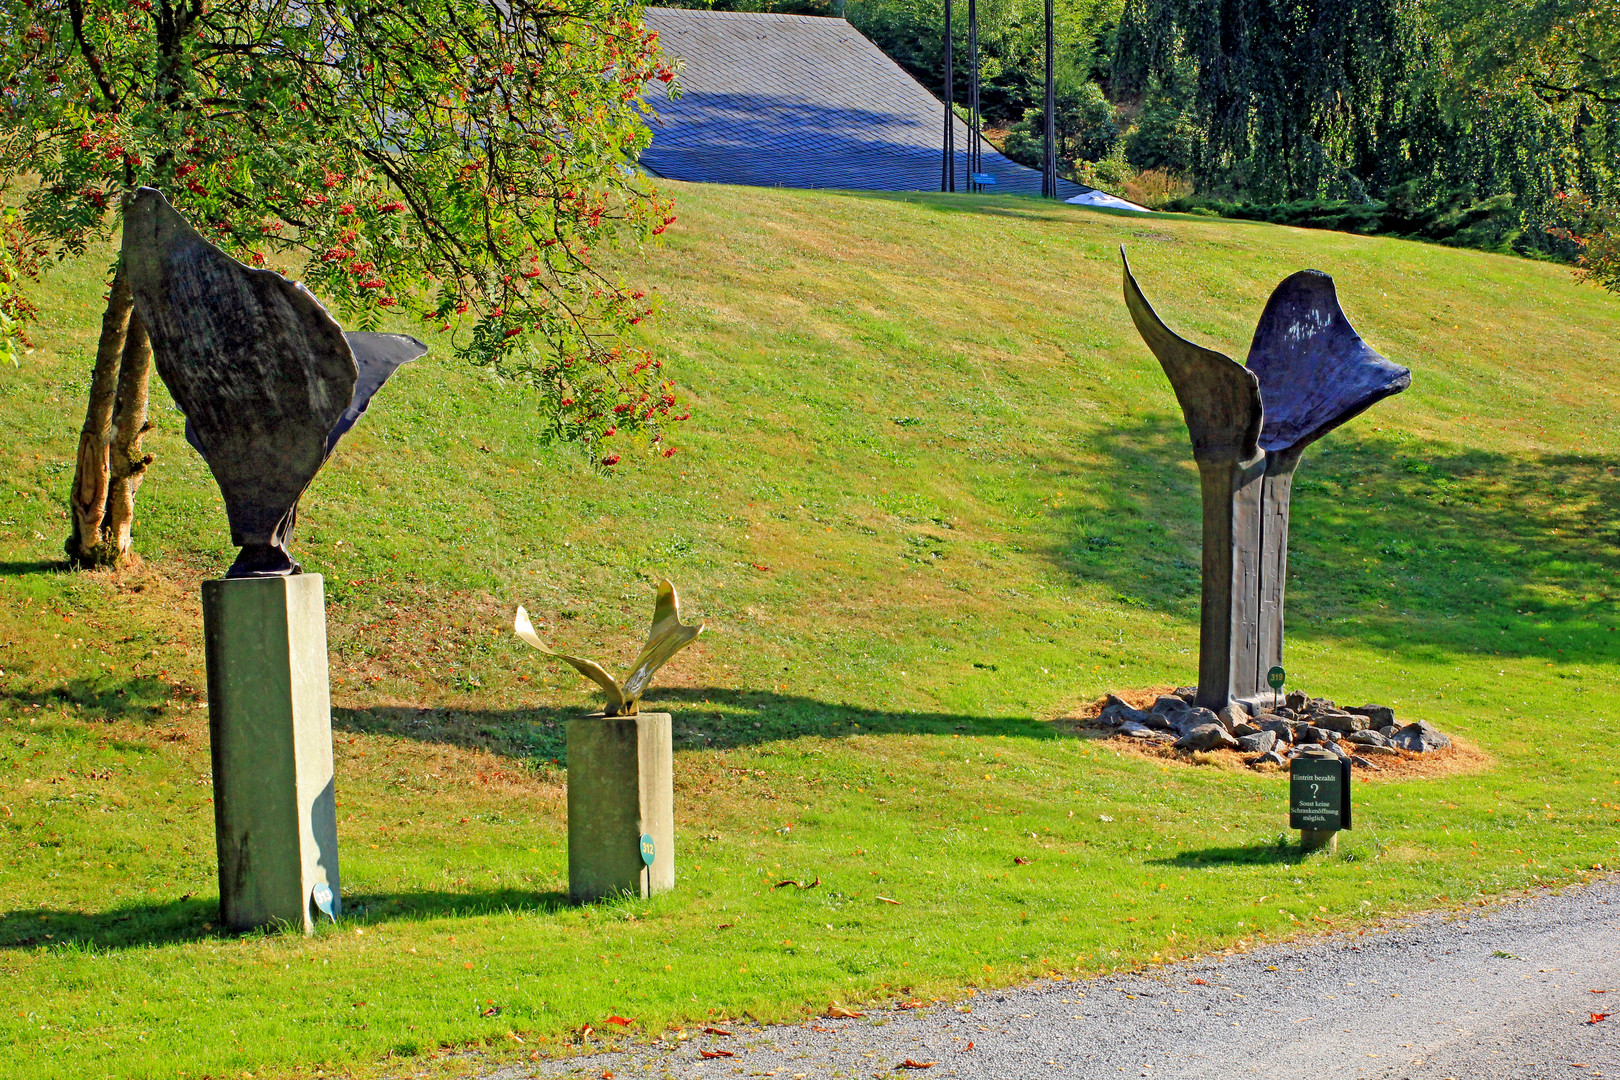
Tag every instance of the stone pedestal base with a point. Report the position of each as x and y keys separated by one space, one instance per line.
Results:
x=270 y=730
x=621 y=788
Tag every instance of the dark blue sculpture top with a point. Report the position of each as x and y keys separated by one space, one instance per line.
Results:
x=267 y=379
x=1314 y=370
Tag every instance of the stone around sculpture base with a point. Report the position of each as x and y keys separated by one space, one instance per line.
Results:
x=621 y=787
x=270 y=731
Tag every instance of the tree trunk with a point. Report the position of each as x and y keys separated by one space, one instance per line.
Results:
x=126 y=464
x=110 y=463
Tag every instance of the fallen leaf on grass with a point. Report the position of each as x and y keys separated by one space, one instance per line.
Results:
x=715 y=1031
x=1598 y=1018
x=1198 y=982
x=761 y=567
x=586 y=1032
x=491 y=1010
x=818 y=1027
x=715 y=1053
x=1019 y=860
x=725 y=926
x=621 y=1021
x=909 y=1005
x=836 y=1011
x=514 y=1036
x=909 y=1064
x=798 y=884
x=886 y=900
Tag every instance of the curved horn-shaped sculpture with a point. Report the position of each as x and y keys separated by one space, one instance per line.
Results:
x=1219 y=397
x=1308 y=372
x=667 y=637
x=267 y=379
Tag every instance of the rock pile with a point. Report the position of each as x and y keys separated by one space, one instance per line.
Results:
x=1273 y=734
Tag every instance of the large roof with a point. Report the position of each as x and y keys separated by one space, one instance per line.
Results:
x=804 y=102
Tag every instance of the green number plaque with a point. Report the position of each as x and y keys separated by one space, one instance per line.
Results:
x=648 y=853
x=1276 y=677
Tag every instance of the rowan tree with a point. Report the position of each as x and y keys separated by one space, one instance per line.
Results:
x=462 y=161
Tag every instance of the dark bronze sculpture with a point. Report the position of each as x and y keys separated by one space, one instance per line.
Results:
x=267 y=379
x=1308 y=372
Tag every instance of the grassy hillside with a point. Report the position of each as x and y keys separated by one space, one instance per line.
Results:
x=935 y=494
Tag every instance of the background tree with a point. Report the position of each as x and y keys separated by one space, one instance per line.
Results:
x=1286 y=91
x=19 y=263
x=461 y=161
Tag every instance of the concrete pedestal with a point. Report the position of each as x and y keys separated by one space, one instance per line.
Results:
x=621 y=787
x=270 y=726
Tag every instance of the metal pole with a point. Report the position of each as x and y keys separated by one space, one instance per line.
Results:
x=975 y=121
x=947 y=174
x=1049 y=187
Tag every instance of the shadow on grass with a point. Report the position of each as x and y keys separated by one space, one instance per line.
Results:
x=1418 y=548
x=1255 y=855
x=103 y=697
x=703 y=718
x=32 y=566
x=188 y=919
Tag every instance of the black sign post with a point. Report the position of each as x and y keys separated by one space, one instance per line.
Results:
x=1318 y=799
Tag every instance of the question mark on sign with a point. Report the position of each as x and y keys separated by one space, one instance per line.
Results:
x=1314 y=789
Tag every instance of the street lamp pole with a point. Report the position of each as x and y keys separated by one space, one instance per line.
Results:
x=975 y=121
x=947 y=171
x=1049 y=188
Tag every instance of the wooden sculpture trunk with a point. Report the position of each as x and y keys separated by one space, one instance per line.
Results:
x=1308 y=372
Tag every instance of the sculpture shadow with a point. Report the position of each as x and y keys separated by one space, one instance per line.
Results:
x=193 y=919
x=1415 y=547
x=704 y=718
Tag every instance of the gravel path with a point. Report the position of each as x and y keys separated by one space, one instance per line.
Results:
x=1505 y=993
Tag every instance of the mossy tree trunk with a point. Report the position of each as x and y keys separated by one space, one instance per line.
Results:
x=111 y=464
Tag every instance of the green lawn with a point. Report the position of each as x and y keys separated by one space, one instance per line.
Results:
x=935 y=494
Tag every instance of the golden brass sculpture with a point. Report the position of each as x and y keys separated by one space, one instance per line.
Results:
x=667 y=637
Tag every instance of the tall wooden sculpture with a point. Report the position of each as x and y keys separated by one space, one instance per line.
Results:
x=1308 y=372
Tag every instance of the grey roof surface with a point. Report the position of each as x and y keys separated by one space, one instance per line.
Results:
x=804 y=102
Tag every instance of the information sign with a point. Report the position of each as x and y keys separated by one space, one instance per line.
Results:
x=983 y=179
x=1318 y=793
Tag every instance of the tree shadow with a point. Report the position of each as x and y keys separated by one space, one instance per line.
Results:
x=24 y=567
x=1410 y=546
x=106 y=697
x=192 y=919
x=703 y=718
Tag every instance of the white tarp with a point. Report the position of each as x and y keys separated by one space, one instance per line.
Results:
x=1102 y=198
